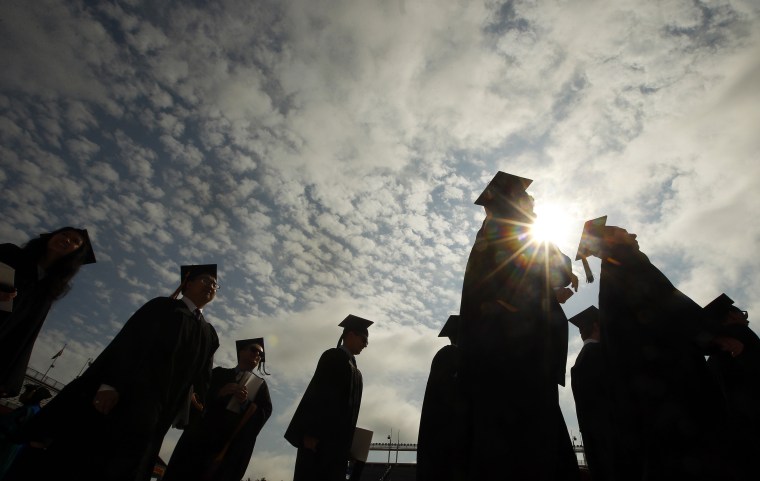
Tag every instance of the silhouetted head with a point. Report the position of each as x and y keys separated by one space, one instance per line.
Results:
x=355 y=335
x=587 y=322
x=506 y=197
x=598 y=239
x=250 y=353
x=199 y=283
x=61 y=253
x=451 y=329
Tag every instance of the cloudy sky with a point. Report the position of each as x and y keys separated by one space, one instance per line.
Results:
x=326 y=154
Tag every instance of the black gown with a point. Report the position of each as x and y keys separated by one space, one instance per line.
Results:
x=739 y=379
x=161 y=353
x=204 y=439
x=593 y=406
x=513 y=334
x=668 y=408
x=328 y=411
x=440 y=443
x=19 y=329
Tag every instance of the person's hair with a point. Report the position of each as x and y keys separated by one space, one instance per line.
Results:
x=262 y=363
x=59 y=273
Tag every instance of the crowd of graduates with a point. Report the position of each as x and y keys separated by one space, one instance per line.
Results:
x=158 y=372
x=650 y=406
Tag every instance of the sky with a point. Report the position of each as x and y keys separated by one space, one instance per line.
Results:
x=327 y=154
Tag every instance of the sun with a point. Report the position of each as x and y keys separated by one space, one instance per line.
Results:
x=552 y=225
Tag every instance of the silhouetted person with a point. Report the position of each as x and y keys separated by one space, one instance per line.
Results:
x=514 y=341
x=668 y=408
x=44 y=268
x=323 y=425
x=739 y=378
x=109 y=423
x=219 y=446
x=590 y=382
x=440 y=443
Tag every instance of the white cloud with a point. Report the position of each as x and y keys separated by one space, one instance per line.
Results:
x=327 y=154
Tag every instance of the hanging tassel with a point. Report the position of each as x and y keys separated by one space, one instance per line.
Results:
x=587 y=270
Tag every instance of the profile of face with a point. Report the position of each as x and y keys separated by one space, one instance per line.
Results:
x=201 y=289
x=518 y=206
x=63 y=243
x=617 y=236
x=250 y=356
x=355 y=342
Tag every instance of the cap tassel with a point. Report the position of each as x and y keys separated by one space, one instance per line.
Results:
x=340 y=341
x=175 y=294
x=587 y=270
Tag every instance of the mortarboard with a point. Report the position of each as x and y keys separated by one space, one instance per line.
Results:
x=89 y=255
x=192 y=271
x=586 y=318
x=356 y=324
x=589 y=243
x=243 y=343
x=720 y=306
x=451 y=328
x=502 y=184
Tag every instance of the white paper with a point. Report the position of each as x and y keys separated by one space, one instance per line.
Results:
x=252 y=383
x=360 y=444
x=7 y=273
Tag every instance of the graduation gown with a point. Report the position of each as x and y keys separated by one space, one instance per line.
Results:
x=513 y=334
x=328 y=411
x=668 y=408
x=19 y=329
x=160 y=354
x=739 y=379
x=203 y=440
x=593 y=406
x=440 y=453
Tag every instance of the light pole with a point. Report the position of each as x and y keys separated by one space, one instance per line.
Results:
x=86 y=364
x=389 y=447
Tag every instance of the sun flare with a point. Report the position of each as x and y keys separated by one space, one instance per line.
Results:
x=552 y=225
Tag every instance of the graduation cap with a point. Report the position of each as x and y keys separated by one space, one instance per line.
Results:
x=586 y=318
x=502 y=184
x=356 y=324
x=89 y=254
x=589 y=244
x=244 y=343
x=451 y=328
x=720 y=306
x=193 y=271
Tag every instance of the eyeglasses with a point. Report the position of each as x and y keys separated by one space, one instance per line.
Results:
x=209 y=282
